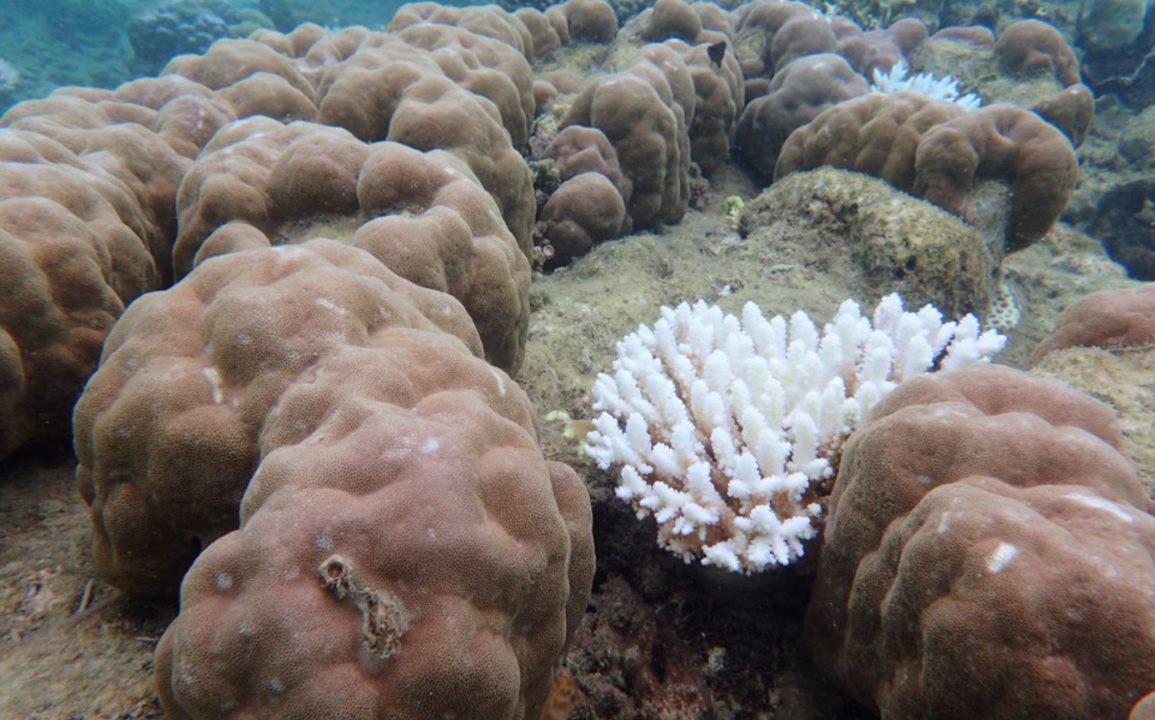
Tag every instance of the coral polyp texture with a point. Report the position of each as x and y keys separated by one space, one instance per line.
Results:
x=167 y=431
x=423 y=215
x=727 y=429
x=396 y=503
x=988 y=553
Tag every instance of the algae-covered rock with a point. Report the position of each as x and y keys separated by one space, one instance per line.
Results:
x=886 y=240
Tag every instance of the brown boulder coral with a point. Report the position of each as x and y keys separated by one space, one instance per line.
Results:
x=875 y=134
x=252 y=77
x=73 y=252
x=1110 y=319
x=145 y=134
x=167 y=431
x=940 y=152
x=423 y=215
x=1006 y=143
x=585 y=210
x=592 y=21
x=795 y=96
x=398 y=92
x=405 y=551
x=645 y=112
x=1029 y=47
x=988 y=553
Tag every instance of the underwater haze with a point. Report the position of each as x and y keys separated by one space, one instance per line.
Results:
x=102 y=43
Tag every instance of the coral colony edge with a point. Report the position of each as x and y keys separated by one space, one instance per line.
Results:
x=508 y=362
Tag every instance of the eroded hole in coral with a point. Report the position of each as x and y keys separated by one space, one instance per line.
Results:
x=384 y=619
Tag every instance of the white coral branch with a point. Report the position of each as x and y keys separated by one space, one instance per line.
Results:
x=721 y=425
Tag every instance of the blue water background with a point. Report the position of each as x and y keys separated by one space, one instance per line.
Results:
x=45 y=44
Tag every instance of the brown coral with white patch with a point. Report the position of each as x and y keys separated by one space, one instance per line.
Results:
x=404 y=550
x=988 y=553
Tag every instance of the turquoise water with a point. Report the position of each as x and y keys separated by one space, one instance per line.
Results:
x=45 y=45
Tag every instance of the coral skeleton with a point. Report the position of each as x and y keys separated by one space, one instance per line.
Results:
x=899 y=80
x=726 y=429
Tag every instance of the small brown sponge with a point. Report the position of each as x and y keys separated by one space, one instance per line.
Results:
x=404 y=550
x=424 y=215
x=988 y=553
x=166 y=433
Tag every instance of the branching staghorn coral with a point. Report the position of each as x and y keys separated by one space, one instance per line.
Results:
x=725 y=428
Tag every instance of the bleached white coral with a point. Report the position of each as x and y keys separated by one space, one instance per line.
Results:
x=723 y=426
x=946 y=89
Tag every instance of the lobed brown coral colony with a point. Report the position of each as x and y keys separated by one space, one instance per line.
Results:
x=291 y=276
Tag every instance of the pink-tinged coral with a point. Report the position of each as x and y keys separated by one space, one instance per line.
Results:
x=404 y=550
x=988 y=553
x=167 y=432
x=423 y=215
x=1030 y=47
x=1109 y=319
